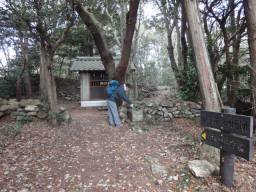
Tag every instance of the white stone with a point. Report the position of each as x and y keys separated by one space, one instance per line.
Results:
x=201 y=168
x=31 y=108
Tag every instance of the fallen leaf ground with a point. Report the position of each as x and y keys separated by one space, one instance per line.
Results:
x=89 y=155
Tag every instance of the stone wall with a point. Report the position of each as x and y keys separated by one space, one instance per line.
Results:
x=28 y=110
x=161 y=110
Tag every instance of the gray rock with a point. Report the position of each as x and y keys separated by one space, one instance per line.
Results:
x=32 y=113
x=201 y=168
x=149 y=104
x=154 y=112
x=31 y=108
x=158 y=169
x=123 y=112
x=25 y=102
x=161 y=113
x=193 y=105
x=167 y=119
x=4 y=108
x=17 y=113
x=22 y=118
x=151 y=159
x=14 y=106
x=170 y=115
x=12 y=101
x=165 y=110
x=3 y=102
x=62 y=108
x=20 y=110
x=136 y=115
x=41 y=115
x=66 y=116
x=68 y=98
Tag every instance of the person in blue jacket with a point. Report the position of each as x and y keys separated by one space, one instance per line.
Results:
x=119 y=94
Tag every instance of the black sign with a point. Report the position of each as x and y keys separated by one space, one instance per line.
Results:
x=239 y=124
x=234 y=144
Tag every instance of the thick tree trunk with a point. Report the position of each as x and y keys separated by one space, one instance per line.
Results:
x=131 y=19
x=97 y=33
x=250 y=13
x=206 y=80
x=205 y=75
x=27 y=79
x=46 y=76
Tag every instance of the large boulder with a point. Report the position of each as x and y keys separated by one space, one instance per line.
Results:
x=4 y=108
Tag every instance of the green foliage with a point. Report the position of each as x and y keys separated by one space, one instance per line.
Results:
x=12 y=130
x=45 y=104
x=25 y=119
x=7 y=87
x=189 y=91
x=194 y=140
x=59 y=117
x=196 y=119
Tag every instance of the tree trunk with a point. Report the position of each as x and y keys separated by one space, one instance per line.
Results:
x=27 y=79
x=19 y=84
x=205 y=75
x=228 y=64
x=250 y=14
x=169 y=30
x=179 y=47
x=131 y=19
x=183 y=40
x=46 y=75
x=43 y=62
x=97 y=33
x=206 y=80
x=22 y=69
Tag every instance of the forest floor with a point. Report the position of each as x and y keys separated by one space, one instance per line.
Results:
x=89 y=155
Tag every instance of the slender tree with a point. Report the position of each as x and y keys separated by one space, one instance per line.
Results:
x=250 y=13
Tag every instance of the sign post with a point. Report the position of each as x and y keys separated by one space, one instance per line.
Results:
x=232 y=134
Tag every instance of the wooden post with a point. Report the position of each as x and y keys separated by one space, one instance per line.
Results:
x=227 y=159
x=85 y=86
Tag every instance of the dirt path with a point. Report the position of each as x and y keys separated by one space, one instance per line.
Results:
x=89 y=155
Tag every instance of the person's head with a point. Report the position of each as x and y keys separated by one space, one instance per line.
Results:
x=128 y=86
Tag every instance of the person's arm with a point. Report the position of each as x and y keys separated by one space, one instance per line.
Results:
x=124 y=97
